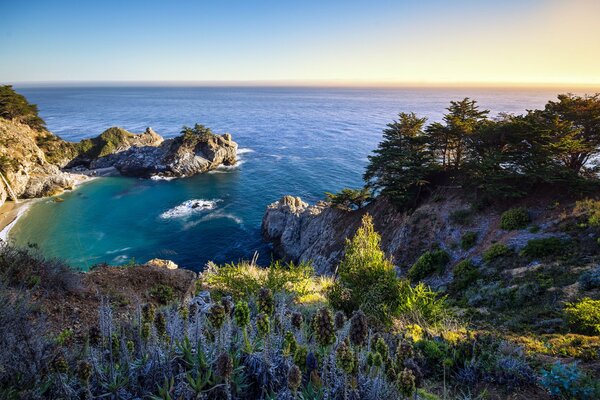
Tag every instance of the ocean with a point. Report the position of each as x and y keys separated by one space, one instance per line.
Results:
x=299 y=141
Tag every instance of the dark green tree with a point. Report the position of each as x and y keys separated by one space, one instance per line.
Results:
x=574 y=122
x=403 y=163
x=14 y=106
x=450 y=141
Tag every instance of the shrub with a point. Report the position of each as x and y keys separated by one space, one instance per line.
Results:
x=495 y=251
x=349 y=199
x=515 y=218
x=428 y=263
x=421 y=304
x=468 y=240
x=461 y=217
x=465 y=273
x=544 y=247
x=590 y=279
x=244 y=279
x=162 y=293
x=367 y=278
x=584 y=316
x=569 y=382
x=590 y=209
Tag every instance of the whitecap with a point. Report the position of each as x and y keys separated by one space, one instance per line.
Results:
x=223 y=169
x=188 y=208
x=244 y=150
x=211 y=216
x=162 y=178
x=119 y=259
x=118 y=250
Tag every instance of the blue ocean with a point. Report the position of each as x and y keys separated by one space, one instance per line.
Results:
x=300 y=141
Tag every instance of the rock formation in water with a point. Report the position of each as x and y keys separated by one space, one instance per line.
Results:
x=37 y=163
x=148 y=154
x=302 y=232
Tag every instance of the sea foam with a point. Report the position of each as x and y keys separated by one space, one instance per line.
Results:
x=188 y=208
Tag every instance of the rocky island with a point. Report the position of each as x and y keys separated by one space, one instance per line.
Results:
x=36 y=163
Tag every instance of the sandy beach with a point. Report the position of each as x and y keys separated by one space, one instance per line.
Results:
x=9 y=214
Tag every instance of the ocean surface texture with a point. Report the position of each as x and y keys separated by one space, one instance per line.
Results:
x=300 y=141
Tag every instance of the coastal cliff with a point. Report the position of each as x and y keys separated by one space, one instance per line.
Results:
x=302 y=232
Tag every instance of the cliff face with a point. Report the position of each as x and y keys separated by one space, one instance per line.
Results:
x=25 y=166
x=300 y=232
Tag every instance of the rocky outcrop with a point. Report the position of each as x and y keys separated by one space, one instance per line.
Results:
x=37 y=163
x=148 y=154
x=25 y=166
x=160 y=263
x=300 y=232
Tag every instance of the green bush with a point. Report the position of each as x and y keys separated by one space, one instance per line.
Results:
x=367 y=278
x=584 y=316
x=465 y=273
x=590 y=209
x=515 y=218
x=349 y=199
x=420 y=303
x=495 y=251
x=544 y=247
x=162 y=293
x=461 y=217
x=430 y=262
x=468 y=240
x=244 y=279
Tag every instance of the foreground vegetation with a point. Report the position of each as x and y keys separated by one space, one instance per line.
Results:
x=280 y=332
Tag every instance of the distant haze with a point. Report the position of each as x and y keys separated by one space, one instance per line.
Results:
x=320 y=43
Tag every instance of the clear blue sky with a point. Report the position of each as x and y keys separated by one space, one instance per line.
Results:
x=431 y=41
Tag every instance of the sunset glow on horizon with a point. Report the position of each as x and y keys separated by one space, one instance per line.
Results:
x=531 y=42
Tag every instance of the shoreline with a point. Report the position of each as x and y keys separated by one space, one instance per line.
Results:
x=10 y=212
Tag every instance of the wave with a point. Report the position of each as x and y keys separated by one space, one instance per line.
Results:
x=118 y=250
x=244 y=150
x=223 y=169
x=162 y=178
x=188 y=208
x=214 y=215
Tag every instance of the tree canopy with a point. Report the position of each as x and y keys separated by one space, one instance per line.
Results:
x=499 y=158
x=14 y=106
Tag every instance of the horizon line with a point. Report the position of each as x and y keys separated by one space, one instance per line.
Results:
x=308 y=83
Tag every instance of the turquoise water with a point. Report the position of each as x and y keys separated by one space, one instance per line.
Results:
x=301 y=141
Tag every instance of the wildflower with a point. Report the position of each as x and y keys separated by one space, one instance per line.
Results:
x=294 y=378
x=216 y=315
x=224 y=365
x=263 y=324
x=358 y=329
x=266 y=303
x=323 y=326
x=241 y=314
x=339 y=320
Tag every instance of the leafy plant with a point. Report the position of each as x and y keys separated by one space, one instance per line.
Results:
x=349 y=199
x=468 y=240
x=495 y=251
x=430 y=262
x=584 y=316
x=569 y=382
x=515 y=218
x=544 y=247
x=164 y=294
x=465 y=273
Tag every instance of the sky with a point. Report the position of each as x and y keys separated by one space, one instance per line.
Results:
x=425 y=42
